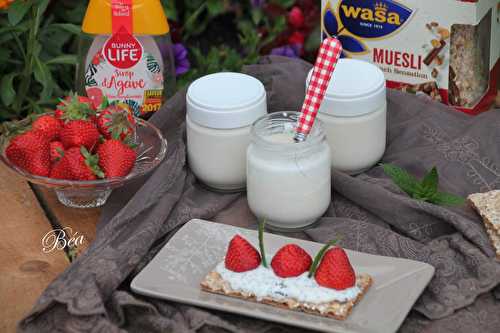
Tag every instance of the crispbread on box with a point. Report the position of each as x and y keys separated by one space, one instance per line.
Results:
x=488 y=206
x=327 y=286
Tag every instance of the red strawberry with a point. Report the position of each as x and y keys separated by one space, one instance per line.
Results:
x=241 y=256
x=291 y=260
x=335 y=270
x=77 y=164
x=296 y=17
x=30 y=151
x=76 y=133
x=48 y=126
x=56 y=151
x=116 y=159
x=116 y=122
x=75 y=107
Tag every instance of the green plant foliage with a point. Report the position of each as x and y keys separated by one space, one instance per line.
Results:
x=37 y=54
x=39 y=41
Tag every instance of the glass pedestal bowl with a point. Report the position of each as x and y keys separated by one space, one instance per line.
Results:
x=151 y=150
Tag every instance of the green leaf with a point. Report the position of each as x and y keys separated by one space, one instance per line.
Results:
x=319 y=255
x=41 y=8
x=313 y=40
x=262 y=225
x=73 y=28
x=402 y=178
x=170 y=10
x=7 y=92
x=69 y=59
x=257 y=15
x=215 y=7
x=44 y=77
x=22 y=27
x=17 y=11
x=441 y=198
x=429 y=185
x=284 y=3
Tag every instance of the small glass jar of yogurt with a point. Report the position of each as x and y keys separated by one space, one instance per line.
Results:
x=353 y=114
x=288 y=183
x=220 y=111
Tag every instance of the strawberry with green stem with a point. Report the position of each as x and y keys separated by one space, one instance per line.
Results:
x=116 y=122
x=77 y=164
x=74 y=107
x=335 y=270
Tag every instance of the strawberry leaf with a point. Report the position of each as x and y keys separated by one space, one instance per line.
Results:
x=317 y=258
x=92 y=161
x=402 y=178
x=261 y=243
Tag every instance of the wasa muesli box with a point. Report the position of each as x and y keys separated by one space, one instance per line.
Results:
x=447 y=49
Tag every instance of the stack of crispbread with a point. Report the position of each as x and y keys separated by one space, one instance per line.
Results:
x=488 y=206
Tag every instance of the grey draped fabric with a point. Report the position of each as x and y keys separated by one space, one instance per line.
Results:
x=368 y=210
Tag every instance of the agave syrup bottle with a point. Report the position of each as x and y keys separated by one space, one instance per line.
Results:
x=126 y=54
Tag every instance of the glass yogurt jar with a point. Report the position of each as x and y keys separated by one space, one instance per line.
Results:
x=353 y=114
x=288 y=183
x=221 y=109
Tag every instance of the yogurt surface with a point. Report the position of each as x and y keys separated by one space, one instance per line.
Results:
x=262 y=282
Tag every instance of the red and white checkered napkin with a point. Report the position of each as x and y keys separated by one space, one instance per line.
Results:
x=328 y=55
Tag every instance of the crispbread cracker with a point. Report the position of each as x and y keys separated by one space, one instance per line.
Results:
x=488 y=206
x=214 y=283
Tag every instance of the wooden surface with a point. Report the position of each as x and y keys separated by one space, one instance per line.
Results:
x=25 y=270
x=79 y=221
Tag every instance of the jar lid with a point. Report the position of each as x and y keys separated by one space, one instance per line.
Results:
x=356 y=88
x=226 y=100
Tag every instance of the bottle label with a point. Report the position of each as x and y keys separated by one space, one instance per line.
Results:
x=124 y=67
x=127 y=70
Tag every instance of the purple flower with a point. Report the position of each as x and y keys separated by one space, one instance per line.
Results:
x=291 y=51
x=182 y=64
x=257 y=3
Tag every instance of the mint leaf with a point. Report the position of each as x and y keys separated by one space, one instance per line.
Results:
x=430 y=181
x=425 y=190
x=441 y=198
x=428 y=187
x=402 y=178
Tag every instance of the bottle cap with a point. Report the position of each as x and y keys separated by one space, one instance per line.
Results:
x=148 y=17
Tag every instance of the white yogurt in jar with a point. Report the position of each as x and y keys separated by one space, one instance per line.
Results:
x=353 y=114
x=220 y=111
x=288 y=183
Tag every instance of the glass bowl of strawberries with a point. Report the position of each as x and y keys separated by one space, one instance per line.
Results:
x=81 y=150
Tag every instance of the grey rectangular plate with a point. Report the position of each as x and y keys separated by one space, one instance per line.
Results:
x=177 y=270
